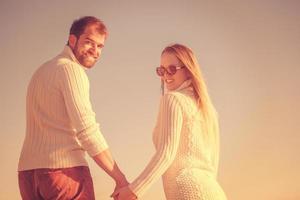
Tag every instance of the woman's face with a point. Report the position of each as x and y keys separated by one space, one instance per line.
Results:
x=172 y=82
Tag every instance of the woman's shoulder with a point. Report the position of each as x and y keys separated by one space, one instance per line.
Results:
x=173 y=95
x=184 y=100
x=180 y=96
x=174 y=99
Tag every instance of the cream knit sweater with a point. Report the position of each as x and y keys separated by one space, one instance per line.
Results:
x=186 y=161
x=60 y=122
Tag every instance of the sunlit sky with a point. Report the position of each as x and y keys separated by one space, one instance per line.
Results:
x=249 y=52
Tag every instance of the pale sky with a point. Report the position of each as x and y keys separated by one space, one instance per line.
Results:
x=249 y=52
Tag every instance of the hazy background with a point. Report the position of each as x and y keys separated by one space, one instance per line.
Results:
x=249 y=52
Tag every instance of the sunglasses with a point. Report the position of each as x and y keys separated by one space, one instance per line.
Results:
x=171 y=70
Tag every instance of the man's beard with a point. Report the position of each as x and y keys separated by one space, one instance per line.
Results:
x=83 y=58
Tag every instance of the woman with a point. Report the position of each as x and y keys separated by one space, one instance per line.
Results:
x=186 y=135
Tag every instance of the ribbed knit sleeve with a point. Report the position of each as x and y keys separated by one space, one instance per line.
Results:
x=170 y=120
x=74 y=86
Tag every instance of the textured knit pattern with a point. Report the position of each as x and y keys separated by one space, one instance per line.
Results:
x=60 y=122
x=185 y=161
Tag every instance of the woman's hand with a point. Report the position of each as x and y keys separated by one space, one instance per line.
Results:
x=124 y=194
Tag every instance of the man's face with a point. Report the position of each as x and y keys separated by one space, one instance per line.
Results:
x=87 y=48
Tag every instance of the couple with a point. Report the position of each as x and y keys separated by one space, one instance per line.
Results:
x=61 y=127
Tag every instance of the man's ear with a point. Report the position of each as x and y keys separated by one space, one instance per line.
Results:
x=72 y=40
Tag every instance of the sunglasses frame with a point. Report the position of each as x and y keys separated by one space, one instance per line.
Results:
x=167 y=70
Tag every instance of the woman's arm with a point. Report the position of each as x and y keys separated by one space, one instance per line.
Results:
x=171 y=119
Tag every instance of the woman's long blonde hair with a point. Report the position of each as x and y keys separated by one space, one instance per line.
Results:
x=211 y=128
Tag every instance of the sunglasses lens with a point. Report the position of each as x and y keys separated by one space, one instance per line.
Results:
x=160 y=71
x=172 y=70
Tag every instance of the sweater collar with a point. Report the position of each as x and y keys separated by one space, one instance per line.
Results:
x=185 y=85
x=68 y=52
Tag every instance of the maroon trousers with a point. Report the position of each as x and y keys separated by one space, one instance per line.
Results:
x=56 y=184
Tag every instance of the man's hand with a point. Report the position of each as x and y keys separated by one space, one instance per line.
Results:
x=119 y=184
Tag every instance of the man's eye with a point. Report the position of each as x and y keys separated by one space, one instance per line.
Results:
x=88 y=42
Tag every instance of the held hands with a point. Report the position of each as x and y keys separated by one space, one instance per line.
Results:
x=120 y=183
x=123 y=194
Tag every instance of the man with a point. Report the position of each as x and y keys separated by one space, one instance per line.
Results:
x=61 y=124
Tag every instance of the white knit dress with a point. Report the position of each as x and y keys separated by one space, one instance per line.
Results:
x=187 y=164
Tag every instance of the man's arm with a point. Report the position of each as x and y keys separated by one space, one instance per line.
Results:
x=108 y=164
x=74 y=86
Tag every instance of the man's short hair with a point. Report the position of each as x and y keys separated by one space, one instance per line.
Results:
x=80 y=24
